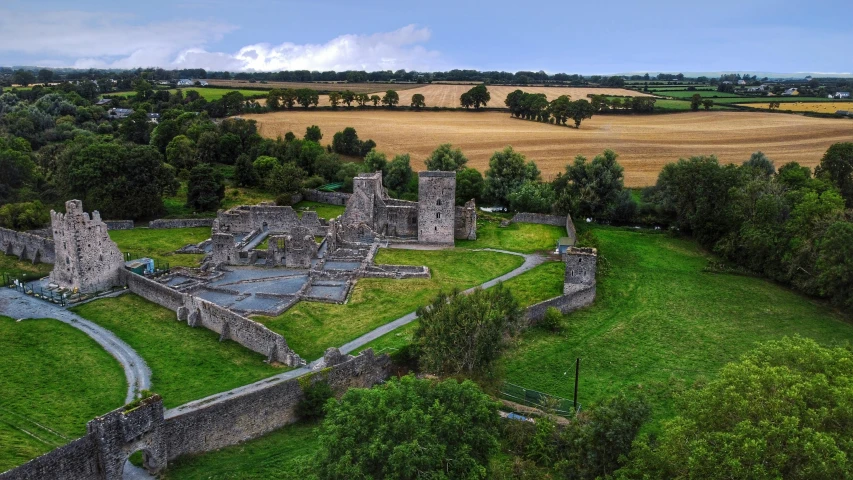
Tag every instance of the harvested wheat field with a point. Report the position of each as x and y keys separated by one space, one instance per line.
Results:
x=319 y=86
x=645 y=143
x=821 y=107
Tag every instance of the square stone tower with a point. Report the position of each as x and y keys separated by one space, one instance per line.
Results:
x=86 y=258
x=436 y=207
x=581 y=265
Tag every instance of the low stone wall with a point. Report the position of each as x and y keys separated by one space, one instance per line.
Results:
x=119 y=224
x=27 y=246
x=249 y=415
x=229 y=325
x=207 y=424
x=180 y=222
x=580 y=296
x=396 y=271
x=334 y=198
x=539 y=218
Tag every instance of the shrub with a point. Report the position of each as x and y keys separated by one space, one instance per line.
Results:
x=314 y=400
x=552 y=321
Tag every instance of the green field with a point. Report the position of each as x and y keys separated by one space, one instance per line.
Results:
x=687 y=94
x=53 y=379
x=284 y=454
x=324 y=210
x=311 y=327
x=10 y=265
x=186 y=363
x=209 y=94
x=777 y=99
x=161 y=243
x=683 y=106
x=660 y=321
x=517 y=237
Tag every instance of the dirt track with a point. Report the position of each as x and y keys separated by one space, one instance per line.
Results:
x=645 y=143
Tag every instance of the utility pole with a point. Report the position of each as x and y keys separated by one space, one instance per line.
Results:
x=577 y=374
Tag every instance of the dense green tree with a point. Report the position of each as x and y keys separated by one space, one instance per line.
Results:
x=695 y=102
x=391 y=98
x=708 y=103
x=348 y=97
x=465 y=334
x=346 y=142
x=334 y=99
x=285 y=178
x=835 y=264
x=23 y=77
x=327 y=165
x=313 y=134
x=163 y=133
x=760 y=164
x=205 y=188
x=24 y=216
x=837 y=167
x=446 y=158
x=16 y=163
x=375 y=99
x=45 y=76
x=469 y=185
x=409 y=428
x=180 y=153
x=207 y=148
x=230 y=147
x=479 y=96
x=263 y=165
x=375 y=161
x=513 y=102
x=794 y=176
x=306 y=97
x=783 y=411
x=398 y=173
x=508 y=170
x=308 y=155
x=592 y=189
x=418 y=101
x=579 y=111
x=561 y=108
x=466 y=100
x=535 y=197
x=244 y=172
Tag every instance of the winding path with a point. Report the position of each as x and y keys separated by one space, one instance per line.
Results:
x=19 y=306
x=530 y=261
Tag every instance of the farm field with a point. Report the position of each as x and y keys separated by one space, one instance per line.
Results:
x=645 y=143
x=53 y=379
x=320 y=87
x=713 y=94
x=209 y=94
x=186 y=363
x=820 y=107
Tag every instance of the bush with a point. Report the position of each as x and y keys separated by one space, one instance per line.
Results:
x=24 y=216
x=552 y=321
x=313 y=182
x=314 y=400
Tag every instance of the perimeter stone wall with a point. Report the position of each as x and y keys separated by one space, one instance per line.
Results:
x=27 y=246
x=180 y=222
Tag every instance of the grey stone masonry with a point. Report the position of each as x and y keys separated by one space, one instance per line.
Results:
x=27 y=246
x=333 y=198
x=581 y=264
x=86 y=258
x=578 y=285
x=180 y=222
x=119 y=224
x=436 y=207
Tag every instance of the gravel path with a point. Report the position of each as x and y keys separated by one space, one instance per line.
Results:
x=530 y=261
x=19 y=306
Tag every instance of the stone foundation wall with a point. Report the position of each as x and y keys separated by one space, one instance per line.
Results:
x=151 y=290
x=119 y=224
x=180 y=222
x=396 y=271
x=252 y=414
x=27 y=246
x=333 y=198
x=579 y=297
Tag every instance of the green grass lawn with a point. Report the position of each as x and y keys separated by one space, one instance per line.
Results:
x=774 y=99
x=186 y=363
x=176 y=205
x=284 y=454
x=517 y=237
x=324 y=210
x=659 y=321
x=161 y=243
x=687 y=94
x=53 y=379
x=209 y=94
x=311 y=327
x=10 y=265
x=539 y=284
x=684 y=105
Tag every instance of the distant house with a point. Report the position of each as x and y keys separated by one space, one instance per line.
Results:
x=202 y=83
x=104 y=101
x=154 y=117
x=842 y=95
x=741 y=82
x=760 y=88
x=119 y=113
x=790 y=91
x=727 y=82
x=846 y=113
x=185 y=82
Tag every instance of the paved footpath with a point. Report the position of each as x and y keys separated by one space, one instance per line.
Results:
x=530 y=261
x=19 y=306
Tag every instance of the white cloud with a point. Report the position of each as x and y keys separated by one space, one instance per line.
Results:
x=104 y=40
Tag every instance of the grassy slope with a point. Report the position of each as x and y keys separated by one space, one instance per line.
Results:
x=186 y=363
x=518 y=237
x=160 y=244
x=284 y=454
x=311 y=327
x=658 y=320
x=10 y=265
x=54 y=375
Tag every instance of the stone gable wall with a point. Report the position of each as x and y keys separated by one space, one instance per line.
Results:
x=332 y=198
x=27 y=246
x=539 y=218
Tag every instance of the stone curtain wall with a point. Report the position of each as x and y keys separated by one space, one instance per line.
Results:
x=27 y=246
x=180 y=223
x=578 y=285
x=333 y=198
x=539 y=218
x=229 y=325
x=254 y=413
x=578 y=297
x=197 y=427
x=119 y=224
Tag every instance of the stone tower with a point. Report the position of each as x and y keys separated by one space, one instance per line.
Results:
x=436 y=207
x=86 y=258
x=581 y=264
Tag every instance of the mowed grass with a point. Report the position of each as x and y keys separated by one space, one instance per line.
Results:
x=161 y=243
x=283 y=454
x=659 y=322
x=53 y=379
x=665 y=105
x=645 y=143
x=311 y=327
x=517 y=237
x=324 y=210
x=186 y=363
x=11 y=266
x=209 y=94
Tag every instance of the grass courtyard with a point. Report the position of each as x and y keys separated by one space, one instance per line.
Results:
x=186 y=363
x=160 y=244
x=11 y=266
x=53 y=379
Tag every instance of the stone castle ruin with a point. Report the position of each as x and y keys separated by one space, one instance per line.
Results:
x=86 y=259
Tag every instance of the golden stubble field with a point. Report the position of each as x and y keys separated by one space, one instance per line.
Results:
x=644 y=143
x=821 y=107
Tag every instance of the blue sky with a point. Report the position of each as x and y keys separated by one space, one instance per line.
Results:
x=555 y=36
